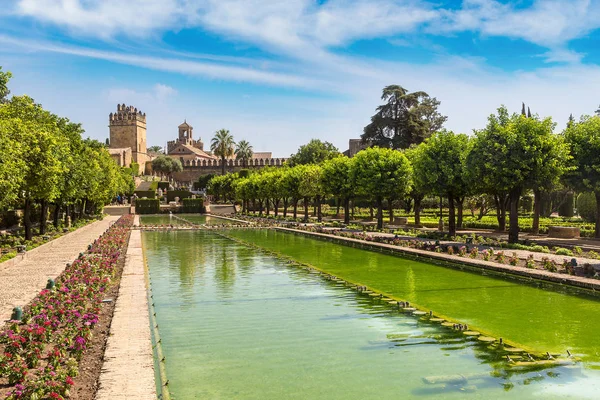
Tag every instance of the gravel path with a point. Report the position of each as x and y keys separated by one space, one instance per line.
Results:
x=22 y=281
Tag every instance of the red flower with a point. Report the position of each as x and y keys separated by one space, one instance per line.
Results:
x=70 y=381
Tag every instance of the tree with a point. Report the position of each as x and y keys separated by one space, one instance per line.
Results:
x=380 y=174
x=244 y=151
x=405 y=119
x=310 y=187
x=419 y=187
x=511 y=154
x=155 y=149
x=336 y=180
x=291 y=183
x=4 y=92
x=440 y=165
x=583 y=139
x=42 y=148
x=12 y=164
x=314 y=152
x=166 y=165
x=222 y=145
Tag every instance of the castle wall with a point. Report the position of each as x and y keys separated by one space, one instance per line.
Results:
x=192 y=171
x=128 y=130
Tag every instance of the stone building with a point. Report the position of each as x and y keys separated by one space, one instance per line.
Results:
x=354 y=146
x=128 y=131
x=185 y=148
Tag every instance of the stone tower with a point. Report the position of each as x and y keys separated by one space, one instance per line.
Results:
x=128 y=130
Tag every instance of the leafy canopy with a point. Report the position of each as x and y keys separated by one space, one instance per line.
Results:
x=314 y=152
x=404 y=119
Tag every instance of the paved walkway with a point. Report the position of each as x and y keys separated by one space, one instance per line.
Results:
x=22 y=280
x=128 y=369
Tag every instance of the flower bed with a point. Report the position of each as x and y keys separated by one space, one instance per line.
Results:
x=39 y=357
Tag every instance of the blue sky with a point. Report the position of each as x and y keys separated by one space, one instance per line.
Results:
x=278 y=73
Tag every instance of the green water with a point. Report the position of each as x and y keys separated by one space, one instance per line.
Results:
x=237 y=323
x=180 y=219
x=532 y=317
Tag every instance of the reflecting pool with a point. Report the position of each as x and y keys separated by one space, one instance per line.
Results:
x=237 y=323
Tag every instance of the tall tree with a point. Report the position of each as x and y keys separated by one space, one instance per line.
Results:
x=506 y=157
x=314 y=152
x=222 y=145
x=440 y=165
x=404 y=119
x=336 y=180
x=583 y=139
x=4 y=92
x=244 y=152
x=310 y=188
x=380 y=174
x=166 y=165
x=155 y=149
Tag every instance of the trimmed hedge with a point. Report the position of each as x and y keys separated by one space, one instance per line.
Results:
x=153 y=185
x=151 y=194
x=193 y=206
x=147 y=206
x=163 y=185
x=182 y=194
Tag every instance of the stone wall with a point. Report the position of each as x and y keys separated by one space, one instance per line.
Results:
x=192 y=170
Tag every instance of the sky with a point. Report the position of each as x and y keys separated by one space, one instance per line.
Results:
x=279 y=73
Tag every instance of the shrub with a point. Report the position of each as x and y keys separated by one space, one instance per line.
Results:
x=450 y=250
x=563 y=252
x=474 y=252
x=147 y=206
x=530 y=262
x=145 y=193
x=513 y=260
x=593 y=254
x=462 y=251
x=500 y=257
x=162 y=185
x=193 y=206
x=586 y=206
x=549 y=265
x=578 y=250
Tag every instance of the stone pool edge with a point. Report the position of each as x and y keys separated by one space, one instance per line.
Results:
x=128 y=368
x=560 y=279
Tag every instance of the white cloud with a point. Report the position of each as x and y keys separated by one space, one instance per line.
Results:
x=162 y=92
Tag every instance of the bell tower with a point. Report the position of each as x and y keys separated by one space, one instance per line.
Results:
x=128 y=130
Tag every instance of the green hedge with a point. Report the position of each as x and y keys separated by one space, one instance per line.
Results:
x=163 y=185
x=147 y=206
x=193 y=206
x=154 y=185
x=182 y=194
x=151 y=194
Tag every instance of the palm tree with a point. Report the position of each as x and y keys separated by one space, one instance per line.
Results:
x=222 y=145
x=243 y=152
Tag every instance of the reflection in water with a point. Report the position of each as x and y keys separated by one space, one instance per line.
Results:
x=254 y=327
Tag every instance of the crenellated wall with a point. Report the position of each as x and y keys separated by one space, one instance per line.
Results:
x=192 y=170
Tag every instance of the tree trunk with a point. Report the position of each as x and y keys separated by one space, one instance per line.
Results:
x=391 y=211
x=74 y=213
x=371 y=210
x=295 y=201
x=276 y=206
x=306 y=209
x=67 y=213
x=347 y=210
x=285 y=206
x=56 y=215
x=537 y=208
x=27 y=220
x=500 y=212
x=222 y=165
x=459 y=206
x=513 y=230
x=451 y=216
x=43 y=216
x=319 y=215
x=337 y=203
x=417 y=201
x=315 y=209
x=260 y=207
x=379 y=213
x=597 y=229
